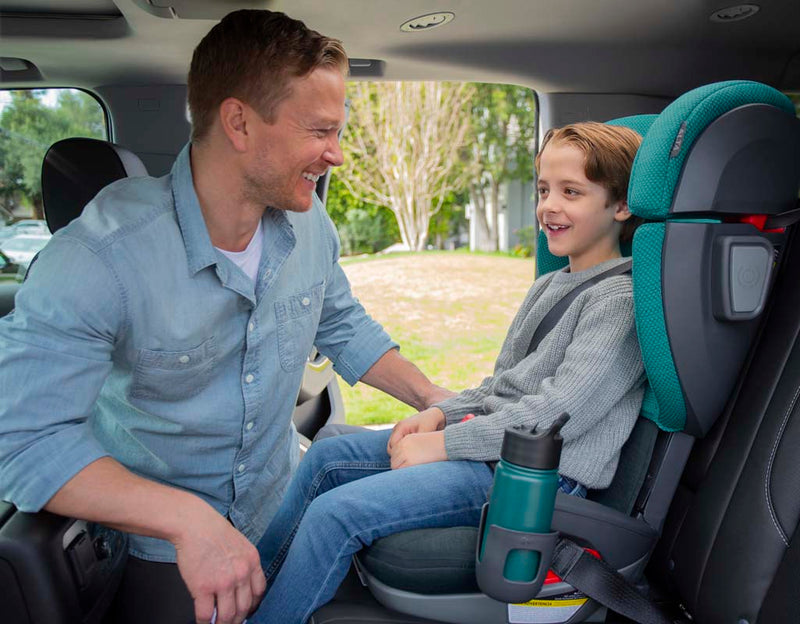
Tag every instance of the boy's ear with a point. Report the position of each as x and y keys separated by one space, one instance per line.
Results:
x=621 y=212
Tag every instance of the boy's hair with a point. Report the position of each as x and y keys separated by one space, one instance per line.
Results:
x=608 y=156
x=252 y=55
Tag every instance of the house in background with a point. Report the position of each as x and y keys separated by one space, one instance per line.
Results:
x=517 y=210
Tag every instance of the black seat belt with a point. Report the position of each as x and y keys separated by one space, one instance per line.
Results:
x=602 y=583
x=555 y=313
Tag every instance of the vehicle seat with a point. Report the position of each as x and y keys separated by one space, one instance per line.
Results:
x=712 y=159
x=57 y=570
x=76 y=169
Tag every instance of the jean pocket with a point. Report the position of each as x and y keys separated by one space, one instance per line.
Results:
x=298 y=317
x=173 y=375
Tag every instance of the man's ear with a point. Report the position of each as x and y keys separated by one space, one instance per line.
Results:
x=233 y=119
x=621 y=212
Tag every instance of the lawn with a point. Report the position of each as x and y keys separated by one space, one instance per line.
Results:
x=449 y=311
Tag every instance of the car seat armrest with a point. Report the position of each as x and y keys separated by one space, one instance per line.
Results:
x=620 y=539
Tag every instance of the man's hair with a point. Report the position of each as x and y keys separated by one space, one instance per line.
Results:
x=253 y=55
x=608 y=158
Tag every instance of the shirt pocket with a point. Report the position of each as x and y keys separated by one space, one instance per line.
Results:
x=173 y=375
x=297 y=319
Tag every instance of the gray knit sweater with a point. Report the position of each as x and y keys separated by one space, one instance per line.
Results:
x=589 y=365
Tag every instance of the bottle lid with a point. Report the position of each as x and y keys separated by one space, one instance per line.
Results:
x=534 y=449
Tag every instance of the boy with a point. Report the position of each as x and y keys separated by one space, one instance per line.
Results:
x=431 y=470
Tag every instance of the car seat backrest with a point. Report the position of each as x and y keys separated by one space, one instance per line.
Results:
x=76 y=169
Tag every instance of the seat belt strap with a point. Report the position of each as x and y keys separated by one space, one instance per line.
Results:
x=599 y=581
x=555 y=313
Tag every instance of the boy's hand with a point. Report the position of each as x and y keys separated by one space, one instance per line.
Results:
x=431 y=419
x=419 y=448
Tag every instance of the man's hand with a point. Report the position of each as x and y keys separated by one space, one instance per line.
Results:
x=220 y=567
x=432 y=419
x=419 y=448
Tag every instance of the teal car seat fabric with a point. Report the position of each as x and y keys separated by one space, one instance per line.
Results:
x=655 y=178
x=660 y=159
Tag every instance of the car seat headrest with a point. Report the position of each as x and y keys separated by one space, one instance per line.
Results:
x=75 y=170
x=745 y=151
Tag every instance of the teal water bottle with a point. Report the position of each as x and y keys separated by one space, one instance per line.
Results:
x=524 y=491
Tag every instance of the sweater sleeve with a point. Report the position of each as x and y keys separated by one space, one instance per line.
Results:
x=472 y=400
x=601 y=364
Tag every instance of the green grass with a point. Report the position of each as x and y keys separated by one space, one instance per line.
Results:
x=449 y=311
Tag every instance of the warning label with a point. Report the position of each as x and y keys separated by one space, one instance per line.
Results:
x=554 y=610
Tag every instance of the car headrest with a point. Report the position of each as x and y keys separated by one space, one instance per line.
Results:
x=75 y=170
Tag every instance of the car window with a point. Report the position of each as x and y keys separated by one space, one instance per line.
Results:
x=31 y=120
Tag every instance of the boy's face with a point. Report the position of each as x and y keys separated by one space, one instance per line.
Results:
x=574 y=212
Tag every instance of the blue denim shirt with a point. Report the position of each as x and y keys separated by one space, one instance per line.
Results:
x=135 y=338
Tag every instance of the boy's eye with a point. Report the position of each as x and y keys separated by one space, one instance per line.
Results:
x=571 y=191
x=542 y=191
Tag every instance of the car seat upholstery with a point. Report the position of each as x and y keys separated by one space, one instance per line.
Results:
x=689 y=295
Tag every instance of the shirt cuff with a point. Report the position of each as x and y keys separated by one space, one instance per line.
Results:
x=35 y=475
x=364 y=349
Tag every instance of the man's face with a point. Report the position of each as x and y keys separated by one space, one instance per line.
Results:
x=301 y=145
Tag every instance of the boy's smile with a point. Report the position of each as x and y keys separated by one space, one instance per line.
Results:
x=574 y=211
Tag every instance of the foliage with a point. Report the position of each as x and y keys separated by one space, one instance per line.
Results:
x=403 y=148
x=363 y=227
x=28 y=127
x=527 y=241
x=502 y=143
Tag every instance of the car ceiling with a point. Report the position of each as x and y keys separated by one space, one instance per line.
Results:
x=582 y=46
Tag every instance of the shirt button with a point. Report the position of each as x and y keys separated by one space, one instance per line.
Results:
x=184 y=359
x=251 y=326
x=249 y=425
x=306 y=301
x=241 y=468
x=249 y=379
x=268 y=273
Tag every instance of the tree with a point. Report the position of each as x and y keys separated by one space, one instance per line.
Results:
x=362 y=227
x=29 y=128
x=502 y=144
x=403 y=149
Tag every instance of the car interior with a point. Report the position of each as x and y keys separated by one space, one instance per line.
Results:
x=703 y=513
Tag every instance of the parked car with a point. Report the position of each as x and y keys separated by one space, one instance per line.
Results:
x=28 y=227
x=23 y=247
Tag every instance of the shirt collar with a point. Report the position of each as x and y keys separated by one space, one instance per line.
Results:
x=199 y=250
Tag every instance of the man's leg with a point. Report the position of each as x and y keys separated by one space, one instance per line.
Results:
x=341 y=521
x=154 y=593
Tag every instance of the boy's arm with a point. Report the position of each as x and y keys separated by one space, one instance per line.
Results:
x=601 y=364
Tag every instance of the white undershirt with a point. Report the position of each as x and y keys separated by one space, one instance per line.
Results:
x=249 y=259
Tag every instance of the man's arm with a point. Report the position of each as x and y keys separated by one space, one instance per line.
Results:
x=218 y=564
x=395 y=375
x=55 y=353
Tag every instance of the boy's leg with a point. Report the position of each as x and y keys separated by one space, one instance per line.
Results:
x=327 y=464
x=341 y=521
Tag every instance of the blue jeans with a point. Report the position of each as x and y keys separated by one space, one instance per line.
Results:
x=326 y=517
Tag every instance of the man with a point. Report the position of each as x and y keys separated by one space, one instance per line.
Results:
x=149 y=372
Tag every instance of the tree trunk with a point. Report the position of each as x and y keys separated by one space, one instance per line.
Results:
x=494 y=231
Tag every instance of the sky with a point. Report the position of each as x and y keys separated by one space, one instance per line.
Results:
x=50 y=98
